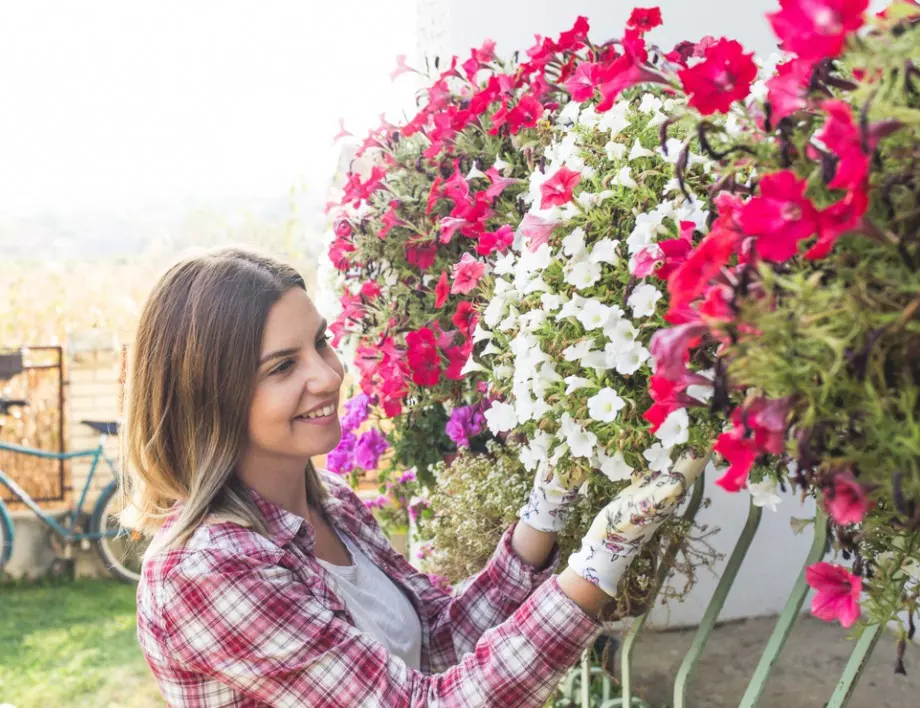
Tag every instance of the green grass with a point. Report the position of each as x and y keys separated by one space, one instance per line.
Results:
x=72 y=644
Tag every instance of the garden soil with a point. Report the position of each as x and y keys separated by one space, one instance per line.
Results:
x=804 y=677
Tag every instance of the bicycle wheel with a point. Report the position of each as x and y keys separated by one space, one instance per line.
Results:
x=122 y=550
x=6 y=536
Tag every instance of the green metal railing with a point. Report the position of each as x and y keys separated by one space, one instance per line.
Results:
x=577 y=686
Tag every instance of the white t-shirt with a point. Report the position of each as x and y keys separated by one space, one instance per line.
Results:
x=378 y=607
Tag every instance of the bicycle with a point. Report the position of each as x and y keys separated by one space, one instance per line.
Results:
x=121 y=549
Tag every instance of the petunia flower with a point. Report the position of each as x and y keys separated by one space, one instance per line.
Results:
x=605 y=405
x=467 y=274
x=675 y=429
x=780 y=216
x=845 y=500
x=838 y=592
x=763 y=494
x=724 y=76
x=642 y=300
x=501 y=417
x=614 y=467
x=816 y=29
x=557 y=190
x=370 y=446
x=441 y=291
x=658 y=457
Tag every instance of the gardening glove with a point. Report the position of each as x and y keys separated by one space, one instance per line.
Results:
x=621 y=528
x=550 y=501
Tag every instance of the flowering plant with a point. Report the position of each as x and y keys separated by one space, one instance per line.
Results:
x=808 y=283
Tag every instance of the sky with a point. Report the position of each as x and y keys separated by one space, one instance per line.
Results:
x=111 y=106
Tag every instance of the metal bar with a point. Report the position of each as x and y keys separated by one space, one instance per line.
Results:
x=44 y=454
x=629 y=641
x=854 y=668
x=585 y=680
x=715 y=606
x=788 y=617
x=62 y=446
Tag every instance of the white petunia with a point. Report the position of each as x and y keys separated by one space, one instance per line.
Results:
x=481 y=334
x=764 y=494
x=699 y=392
x=674 y=147
x=503 y=371
x=501 y=165
x=580 y=441
x=604 y=251
x=577 y=351
x=494 y=311
x=657 y=119
x=533 y=320
x=621 y=333
x=605 y=405
x=624 y=178
x=545 y=377
x=470 y=366
x=638 y=151
x=583 y=275
x=551 y=301
x=500 y=417
x=490 y=349
x=594 y=314
x=672 y=185
x=475 y=173
x=589 y=117
x=569 y=114
x=536 y=451
x=643 y=299
x=571 y=308
x=597 y=360
x=505 y=264
x=649 y=103
x=615 y=119
x=647 y=226
x=510 y=322
x=535 y=285
x=573 y=245
x=675 y=429
x=560 y=450
x=659 y=457
x=574 y=383
x=614 y=150
x=628 y=361
x=614 y=467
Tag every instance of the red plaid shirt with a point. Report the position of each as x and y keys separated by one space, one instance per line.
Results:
x=237 y=619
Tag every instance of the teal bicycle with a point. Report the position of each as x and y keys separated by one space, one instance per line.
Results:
x=121 y=549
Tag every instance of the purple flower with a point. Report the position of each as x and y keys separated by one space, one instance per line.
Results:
x=377 y=503
x=407 y=476
x=356 y=411
x=341 y=460
x=370 y=447
x=465 y=422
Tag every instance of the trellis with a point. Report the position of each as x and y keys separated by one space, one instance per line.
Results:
x=577 y=685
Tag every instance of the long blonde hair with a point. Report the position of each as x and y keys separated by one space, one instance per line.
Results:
x=192 y=378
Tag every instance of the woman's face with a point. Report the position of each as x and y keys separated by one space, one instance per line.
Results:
x=294 y=412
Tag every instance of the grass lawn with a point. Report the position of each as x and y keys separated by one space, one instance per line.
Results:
x=72 y=644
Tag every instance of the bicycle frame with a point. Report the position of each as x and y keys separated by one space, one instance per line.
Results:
x=68 y=532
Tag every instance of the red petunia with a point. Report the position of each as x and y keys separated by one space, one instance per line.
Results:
x=492 y=241
x=422 y=256
x=441 y=291
x=464 y=318
x=759 y=427
x=645 y=18
x=690 y=277
x=423 y=357
x=839 y=218
x=557 y=190
x=370 y=289
x=499 y=183
x=816 y=29
x=780 y=216
x=724 y=76
x=846 y=501
x=787 y=91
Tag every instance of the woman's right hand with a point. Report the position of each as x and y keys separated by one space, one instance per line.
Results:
x=622 y=527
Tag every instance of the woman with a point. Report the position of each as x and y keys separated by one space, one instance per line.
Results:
x=269 y=583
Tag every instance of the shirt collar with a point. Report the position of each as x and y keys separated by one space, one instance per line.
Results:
x=284 y=525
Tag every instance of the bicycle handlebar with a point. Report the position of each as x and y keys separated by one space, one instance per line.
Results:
x=7 y=403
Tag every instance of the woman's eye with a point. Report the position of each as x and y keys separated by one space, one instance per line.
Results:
x=282 y=367
x=322 y=341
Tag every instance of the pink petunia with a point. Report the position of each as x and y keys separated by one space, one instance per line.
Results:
x=537 y=230
x=816 y=29
x=780 y=216
x=440 y=291
x=838 y=592
x=724 y=76
x=557 y=190
x=846 y=501
x=467 y=274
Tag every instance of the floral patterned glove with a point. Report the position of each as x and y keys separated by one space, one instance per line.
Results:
x=549 y=503
x=626 y=523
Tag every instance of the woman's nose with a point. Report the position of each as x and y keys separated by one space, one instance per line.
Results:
x=322 y=377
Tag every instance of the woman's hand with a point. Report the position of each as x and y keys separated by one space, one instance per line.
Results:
x=550 y=501
x=626 y=523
